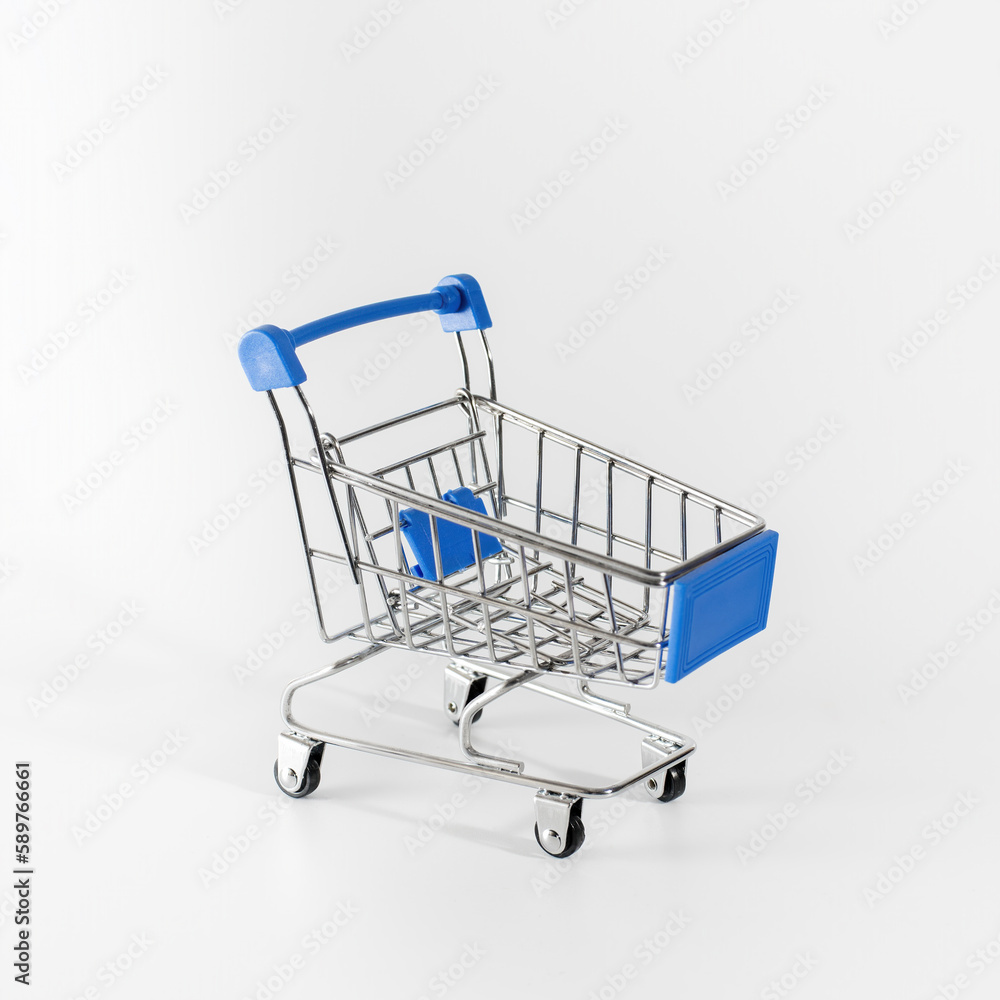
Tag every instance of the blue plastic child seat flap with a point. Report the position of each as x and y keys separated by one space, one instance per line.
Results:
x=455 y=540
x=720 y=604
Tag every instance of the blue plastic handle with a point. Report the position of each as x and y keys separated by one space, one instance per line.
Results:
x=268 y=353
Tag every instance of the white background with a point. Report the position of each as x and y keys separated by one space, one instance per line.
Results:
x=74 y=214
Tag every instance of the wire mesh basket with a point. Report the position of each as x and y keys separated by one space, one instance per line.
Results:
x=516 y=550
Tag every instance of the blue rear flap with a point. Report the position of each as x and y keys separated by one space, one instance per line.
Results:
x=720 y=604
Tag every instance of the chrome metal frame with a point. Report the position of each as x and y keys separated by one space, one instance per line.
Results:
x=542 y=609
x=675 y=746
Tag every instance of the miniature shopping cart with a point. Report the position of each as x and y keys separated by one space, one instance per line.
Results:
x=525 y=556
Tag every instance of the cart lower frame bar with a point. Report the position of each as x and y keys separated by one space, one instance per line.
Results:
x=676 y=747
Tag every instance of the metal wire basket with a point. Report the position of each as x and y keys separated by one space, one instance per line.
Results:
x=514 y=549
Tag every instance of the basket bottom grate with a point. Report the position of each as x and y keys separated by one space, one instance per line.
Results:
x=494 y=627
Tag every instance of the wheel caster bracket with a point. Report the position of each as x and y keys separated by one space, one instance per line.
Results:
x=669 y=781
x=558 y=823
x=460 y=687
x=297 y=755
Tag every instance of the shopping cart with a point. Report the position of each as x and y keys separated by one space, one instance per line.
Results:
x=521 y=553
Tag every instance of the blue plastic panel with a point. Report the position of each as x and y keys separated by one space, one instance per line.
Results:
x=720 y=604
x=269 y=359
x=470 y=313
x=456 y=540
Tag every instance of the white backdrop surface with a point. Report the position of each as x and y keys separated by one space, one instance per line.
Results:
x=752 y=244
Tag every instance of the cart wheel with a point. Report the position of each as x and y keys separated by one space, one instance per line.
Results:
x=307 y=785
x=670 y=785
x=459 y=691
x=575 y=836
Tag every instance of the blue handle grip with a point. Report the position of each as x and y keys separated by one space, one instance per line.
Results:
x=268 y=353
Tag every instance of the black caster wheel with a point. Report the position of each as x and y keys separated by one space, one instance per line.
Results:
x=671 y=786
x=575 y=836
x=476 y=688
x=308 y=785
